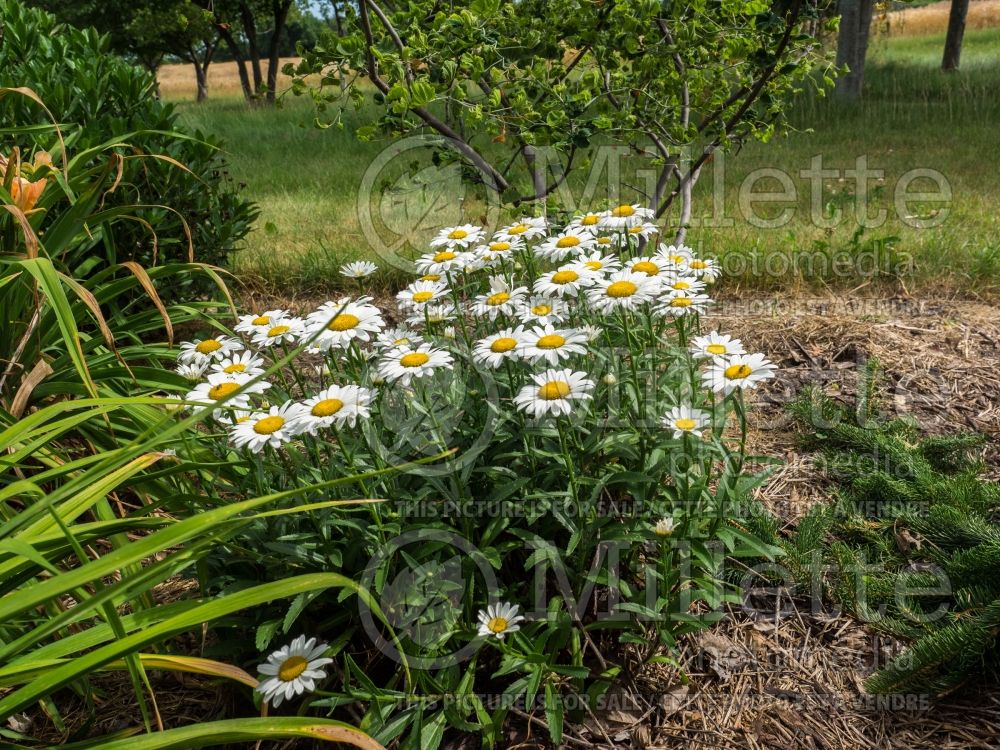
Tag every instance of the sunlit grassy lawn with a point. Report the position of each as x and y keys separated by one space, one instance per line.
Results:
x=913 y=116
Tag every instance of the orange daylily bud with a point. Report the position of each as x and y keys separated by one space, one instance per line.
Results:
x=25 y=193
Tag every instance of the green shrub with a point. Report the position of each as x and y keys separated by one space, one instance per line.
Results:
x=96 y=97
x=566 y=482
x=912 y=539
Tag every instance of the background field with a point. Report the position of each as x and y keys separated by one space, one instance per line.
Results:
x=913 y=116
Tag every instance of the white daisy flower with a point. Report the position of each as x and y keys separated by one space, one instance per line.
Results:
x=443 y=261
x=421 y=293
x=393 y=337
x=525 y=228
x=626 y=216
x=250 y=324
x=739 y=371
x=683 y=419
x=203 y=351
x=676 y=304
x=501 y=299
x=499 y=250
x=587 y=222
x=431 y=277
x=334 y=406
x=665 y=526
x=598 y=262
x=336 y=324
x=566 y=281
x=192 y=372
x=592 y=332
x=500 y=347
x=405 y=363
x=359 y=269
x=432 y=314
x=563 y=245
x=499 y=619
x=677 y=283
x=608 y=242
x=715 y=344
x=275 y=427
x=648 y=264
x=622 y=290
x=705 y=268
x=677 y=256
x=220 y=385
x=292 y=670
x=544 y=310
x=554 y=392
x=550 y=344
x=645 y=229
x=244 y=363
x=284 y=331
x=463 y=236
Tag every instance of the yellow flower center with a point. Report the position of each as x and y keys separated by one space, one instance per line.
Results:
x=498 y=625
x=636 y=230
x=291 y=668
x=422 y=296
x=503 y=344
x=457 y=234
x=623 y=211
x=431 y=277
x=603 y=240
x=541 y=309
x=564 y=277
x=278 y=330
x=497 y=299
x=698 y=264
x=738 y=372
x=327 y=407
x=234 y=368
x=208 y=346
x=685 y=424
x=269 y=425
x=222 y=390
x=622 y=289
x=414 y=359
x=594 y=265
x=518 y=229
x=570 y=241
x=261 y=320
x=680 y=285
x=680 y=302
x=400 y=342
x=589 y=220
x=715 y=349
x=444 y=255
x=552 y=341
x=553 y=390
x=647 y=267
x=344 y=322
x=499 y=247
x=677 y=258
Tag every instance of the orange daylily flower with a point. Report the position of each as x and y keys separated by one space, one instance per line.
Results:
x=24 y=191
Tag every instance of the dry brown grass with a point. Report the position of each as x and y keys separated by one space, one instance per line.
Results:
x=177 y=82
x=933 y=18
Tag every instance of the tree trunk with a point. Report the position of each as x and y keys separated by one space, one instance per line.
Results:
x=201 y=78
x=336 y=17
x=250 y=31
x=280 y=9
x=956 y=30
x=239 y=59
x=852 y=45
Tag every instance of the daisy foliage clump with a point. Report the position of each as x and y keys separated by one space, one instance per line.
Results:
x=548 y=404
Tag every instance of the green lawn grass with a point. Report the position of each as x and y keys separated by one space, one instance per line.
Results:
x=913 y=116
